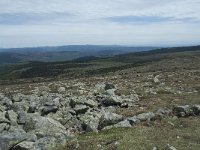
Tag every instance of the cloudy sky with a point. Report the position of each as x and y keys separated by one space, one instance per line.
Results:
x=123 y=22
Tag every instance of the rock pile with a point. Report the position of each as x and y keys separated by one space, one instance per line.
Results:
x=44 y=119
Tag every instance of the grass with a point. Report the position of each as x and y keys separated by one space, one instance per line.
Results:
x=184 y=135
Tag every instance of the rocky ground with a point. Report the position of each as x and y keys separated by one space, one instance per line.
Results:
x=154 y=106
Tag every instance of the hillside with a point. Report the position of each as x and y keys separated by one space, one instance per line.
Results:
x=136 y=101
x=63 y=53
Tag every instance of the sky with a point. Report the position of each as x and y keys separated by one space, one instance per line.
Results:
x=31 y=23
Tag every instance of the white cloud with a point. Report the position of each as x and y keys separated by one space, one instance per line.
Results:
x=59 y=22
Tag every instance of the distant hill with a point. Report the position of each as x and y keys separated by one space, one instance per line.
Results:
x=92 y=65
x=63 y=53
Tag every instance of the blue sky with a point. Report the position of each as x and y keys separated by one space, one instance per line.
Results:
x=25 y=23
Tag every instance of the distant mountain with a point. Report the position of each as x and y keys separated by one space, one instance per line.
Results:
x=63 y=53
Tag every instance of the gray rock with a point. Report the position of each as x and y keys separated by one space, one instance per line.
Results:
x=133 y=120
x=63 y=115
x=18 y=97
x=81 y=109
x=12 y=117
x=4 y=127
x=146 y=116
x=183 y=111
x=49 y=143
x=123 y=124
x=15 y=136
x=32 y=107
x=44 y=126
x=91 y=121
x=21 y=117
x=196 y=109
x=25 y=145
x=48 y=109
x=111 y=101
x=91 y=103
x=162 y=112
x=108 y=119
x=72 y=103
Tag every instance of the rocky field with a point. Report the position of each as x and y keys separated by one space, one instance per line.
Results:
x=155 y=105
